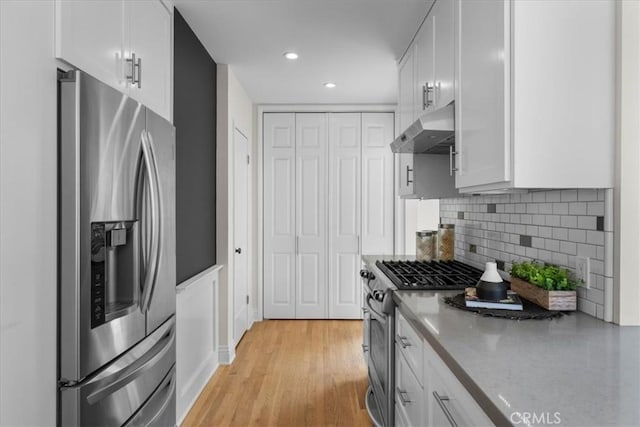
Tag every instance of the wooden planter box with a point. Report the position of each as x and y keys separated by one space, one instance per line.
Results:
x=551 y=300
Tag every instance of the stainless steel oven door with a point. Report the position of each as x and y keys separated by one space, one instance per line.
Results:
x=381 y=361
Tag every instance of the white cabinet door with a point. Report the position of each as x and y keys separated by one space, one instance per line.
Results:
x=311 y=215
x=344 y=215
x=424 y=96
x=377 y=184
x=443 y=71
x=405 y=174
x=150 y=28
x=406 y=90
x=482 y=93
x=90 y=35
x=279 y=216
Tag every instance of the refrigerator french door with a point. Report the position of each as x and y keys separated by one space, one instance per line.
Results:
x=116 y=258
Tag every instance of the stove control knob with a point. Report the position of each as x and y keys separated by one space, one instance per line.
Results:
x=363 y=273
x=370 y=275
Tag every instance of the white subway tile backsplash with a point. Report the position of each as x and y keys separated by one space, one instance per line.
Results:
x=587 y=195
x=578 y=208
x=569 y=248
x=595 y=208
x=569 y=195
x=547 y=226
x=552 y=196
x=568 y=221
x=578 y=236
x=552 y=220
x=587 y=222
x=560 y=233
x=595 y=237
x=560 y=208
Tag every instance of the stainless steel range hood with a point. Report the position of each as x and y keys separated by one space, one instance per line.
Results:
x=432 y=133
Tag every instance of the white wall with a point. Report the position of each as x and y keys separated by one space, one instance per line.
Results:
x=28 y=222
x=235 y=110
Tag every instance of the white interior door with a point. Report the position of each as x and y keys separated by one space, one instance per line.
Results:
x=240 y=225
x=377 y=184
x=344 y=215
x=311 y=216
x=279 y=230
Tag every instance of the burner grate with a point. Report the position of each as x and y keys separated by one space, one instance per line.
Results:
x=434 y=275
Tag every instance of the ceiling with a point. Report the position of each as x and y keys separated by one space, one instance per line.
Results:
x=353 y=43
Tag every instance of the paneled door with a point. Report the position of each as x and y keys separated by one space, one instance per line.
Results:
x=311 y=215
x=240 y=237
x=279 y=216
x=344 y=215
x=377 y=184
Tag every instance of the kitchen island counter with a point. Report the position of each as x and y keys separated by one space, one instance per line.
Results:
x=572 y=370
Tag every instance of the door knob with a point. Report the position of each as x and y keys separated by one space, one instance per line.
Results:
x=238 y=250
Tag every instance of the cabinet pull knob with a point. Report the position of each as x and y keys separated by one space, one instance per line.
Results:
x=441 y=400
x=402 y=395
x=403 y=341
x=409 y=170
x=452 y=153
x=365 y=348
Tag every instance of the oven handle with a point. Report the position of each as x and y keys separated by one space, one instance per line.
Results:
x=379 y=316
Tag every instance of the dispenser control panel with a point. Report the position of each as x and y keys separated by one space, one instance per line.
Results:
x=98 y=279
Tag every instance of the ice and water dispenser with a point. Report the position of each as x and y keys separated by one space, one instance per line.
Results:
x=114 y=270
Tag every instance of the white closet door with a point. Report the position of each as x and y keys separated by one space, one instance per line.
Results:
x=344 y=215
x=279 y=216
x=311 y=215
x=377 y=183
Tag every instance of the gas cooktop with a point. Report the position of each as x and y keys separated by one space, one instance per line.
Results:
x=430 y=275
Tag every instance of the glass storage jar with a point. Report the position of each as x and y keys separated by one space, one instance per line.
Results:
x=426 y=245
x=446 y=242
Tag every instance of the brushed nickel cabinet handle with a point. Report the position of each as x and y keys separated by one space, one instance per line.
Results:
x=452 y=154
x=403 y=341
x=441 y=400
x=403 y=396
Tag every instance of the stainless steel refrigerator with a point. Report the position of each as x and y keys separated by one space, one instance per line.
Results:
x=116 y=259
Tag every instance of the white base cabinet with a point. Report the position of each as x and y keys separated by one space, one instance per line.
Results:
x=427 y=392
x=100 y=36
x=328 y=199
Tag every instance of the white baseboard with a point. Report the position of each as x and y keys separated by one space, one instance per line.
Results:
x=255 y=317
x=226 y=355
x=191 y=391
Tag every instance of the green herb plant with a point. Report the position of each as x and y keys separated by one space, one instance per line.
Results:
x=547 y=277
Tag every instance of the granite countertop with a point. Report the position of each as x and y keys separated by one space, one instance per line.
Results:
x=585 y=370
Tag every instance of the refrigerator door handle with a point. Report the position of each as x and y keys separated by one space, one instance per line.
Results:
x=119 y=379
x=158 y=253
x=151 y=269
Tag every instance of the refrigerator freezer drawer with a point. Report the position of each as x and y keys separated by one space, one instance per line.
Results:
x=160 y=409
x=120 y=389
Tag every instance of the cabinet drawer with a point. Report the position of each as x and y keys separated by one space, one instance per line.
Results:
x=409 y=393
x=447 y=401
x=410 y=344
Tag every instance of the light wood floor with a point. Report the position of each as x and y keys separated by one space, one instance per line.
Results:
x=289 y=373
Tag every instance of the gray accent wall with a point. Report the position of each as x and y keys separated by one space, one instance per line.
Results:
x=548 y=226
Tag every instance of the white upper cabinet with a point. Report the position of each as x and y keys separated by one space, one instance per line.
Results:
x=535 y=103
x=90 y=35
x=443 y=69
x=151 y=41
x=434 y=48
x=406 y=90
x=100 y=37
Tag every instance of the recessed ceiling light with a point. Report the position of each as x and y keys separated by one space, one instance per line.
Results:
x=329 y=85
x=291 y=55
